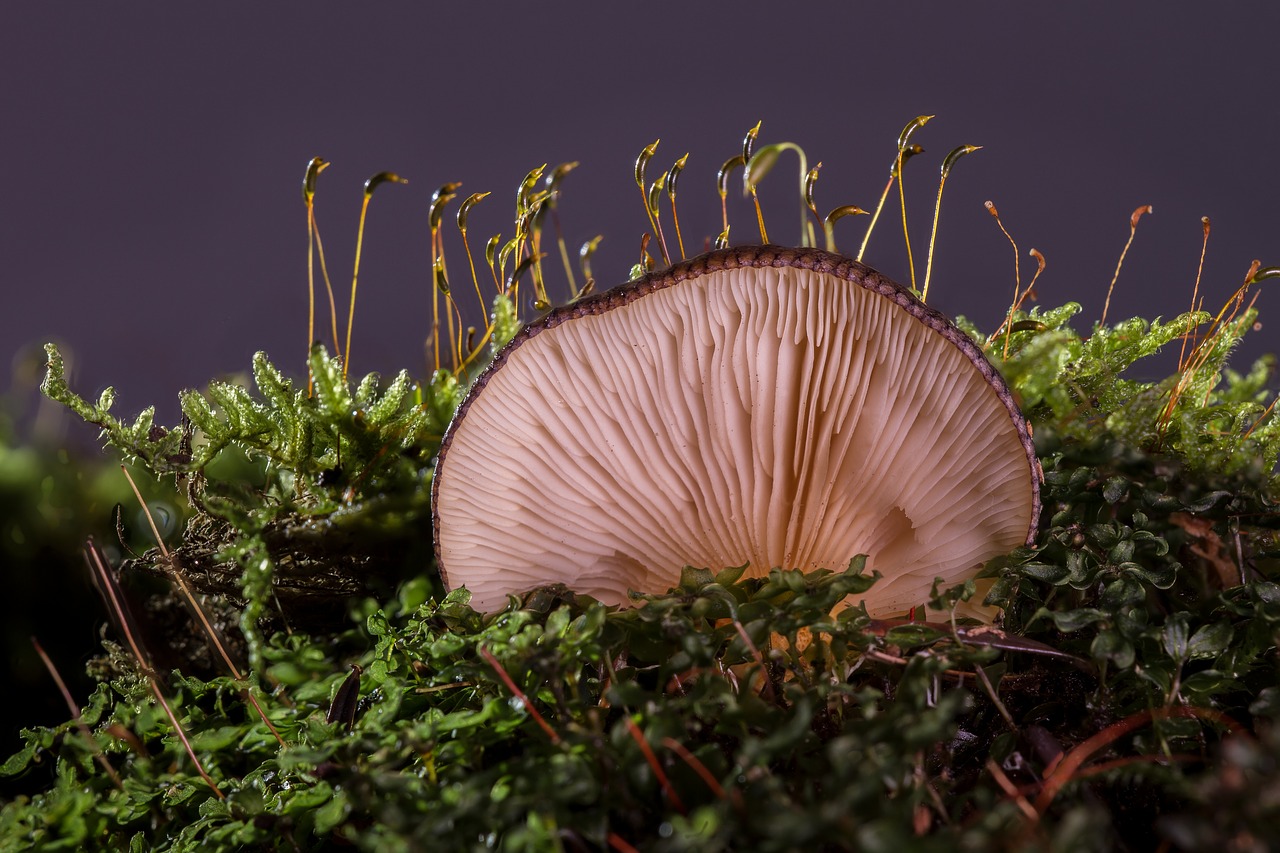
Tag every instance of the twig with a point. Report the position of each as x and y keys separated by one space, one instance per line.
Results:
x=616 y=842
x=115 y=603
x=75 y=716
x=1133 y=229
x=209 y=631
x=1066 y=769
x=701 y=769
x=638 y=737
x=1011 y=791
x=764 y=672
x=995 y=698
x=519 y=694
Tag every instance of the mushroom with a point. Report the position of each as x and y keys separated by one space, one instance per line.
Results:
x=775 y=407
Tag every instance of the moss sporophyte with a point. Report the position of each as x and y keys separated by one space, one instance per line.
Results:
x=755 y=551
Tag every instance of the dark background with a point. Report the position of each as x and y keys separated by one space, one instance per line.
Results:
x=151 y=158
x=152 y=154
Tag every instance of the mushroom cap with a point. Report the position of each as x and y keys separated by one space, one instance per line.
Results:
x=775 y=407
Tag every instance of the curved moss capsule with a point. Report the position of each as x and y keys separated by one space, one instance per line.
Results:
x=642 y=161
x=557 y=175
x=465 y=209
x=912 y=126
x=522 y=268
x=526 y=187
x=843 y=211
x=956 y=153
x=722 y=176
x=382 y=178
x=314 y=168
x=673 y=175
x=655 y=193
x=749 y=141
x=442 y=281
x=441 y=197
x=584 y=255
x=809 y=181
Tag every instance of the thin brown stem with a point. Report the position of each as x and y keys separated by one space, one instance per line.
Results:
x=115 y=603
x=906 y=232
x=1195 y=290
x=75 y=716
x=209 y=631
x=639 y=738
x=519 y=694
x=1133 y=230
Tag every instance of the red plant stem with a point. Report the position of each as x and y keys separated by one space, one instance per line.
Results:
x=209 y=630
x=182 y=736
x=1104 y=766
x=638 y=736
x=616 y=842
x=1062 y=772
x=1011 y=790
x=110 y=590
x=519 y=694
x=764 y=671
x=701 y=769
x=75 y=716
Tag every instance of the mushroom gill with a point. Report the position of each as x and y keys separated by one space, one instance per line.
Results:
x=756 y=405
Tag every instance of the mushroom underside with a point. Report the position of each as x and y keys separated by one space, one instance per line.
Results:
x=774 y=416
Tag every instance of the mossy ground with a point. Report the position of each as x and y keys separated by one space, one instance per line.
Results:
x=1129 y=698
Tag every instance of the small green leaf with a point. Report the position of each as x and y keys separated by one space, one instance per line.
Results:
x=332 y=813
x=1159 y=575
x=1073 y=620
x=388 y=405
x=1047 y=572
x=1267 y=704
x=1110 y=645
x=331 y=389
x=731 y=575
x=1209 y=681
x=910 y=636
x=18 y=762
x=201 y=414
x=1209 y=641
x=275 y=389
x=693 y=578
x=1114 y=490
x=1122 y=591
x=1176 y=634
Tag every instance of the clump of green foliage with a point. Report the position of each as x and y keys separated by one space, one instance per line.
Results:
x=1129 y=693
x=50 y=499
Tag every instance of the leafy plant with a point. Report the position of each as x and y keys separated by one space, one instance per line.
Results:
x=1131 y=686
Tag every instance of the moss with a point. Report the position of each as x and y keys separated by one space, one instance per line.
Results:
x=1131 y=688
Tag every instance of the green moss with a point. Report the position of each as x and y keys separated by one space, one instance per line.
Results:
x=730 y=713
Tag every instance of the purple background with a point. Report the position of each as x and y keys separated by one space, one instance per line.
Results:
x=149 y=183
x=151 y=157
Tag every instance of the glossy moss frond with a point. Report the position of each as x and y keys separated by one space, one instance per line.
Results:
x=377 y=434
x=773 y=719
x=775 y=722
x=437 y=707
x=314 y=459
x=1216 y=420
x=506 y=322
x=155 y=447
